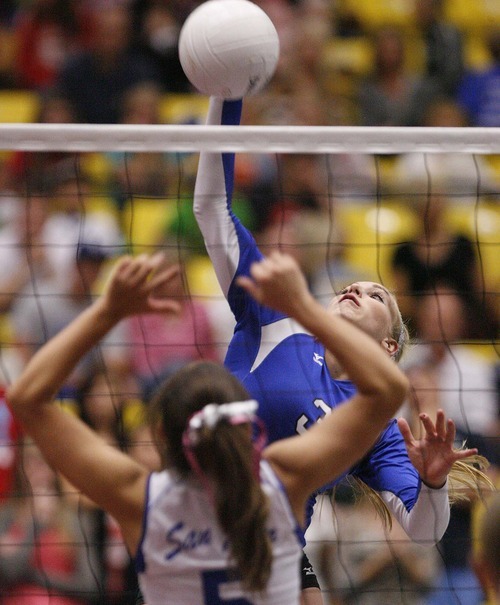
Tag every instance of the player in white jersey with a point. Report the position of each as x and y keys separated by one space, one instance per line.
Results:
x=221 y=522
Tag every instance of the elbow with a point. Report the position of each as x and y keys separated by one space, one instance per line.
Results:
x=393 y=392
x=15 y=401
x=22 y=402
x=13 y=397
x=18 y=400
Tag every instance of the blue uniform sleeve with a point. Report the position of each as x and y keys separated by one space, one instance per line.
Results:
x=387 y=468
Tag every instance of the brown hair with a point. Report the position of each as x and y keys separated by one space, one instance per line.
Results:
x=224 y=454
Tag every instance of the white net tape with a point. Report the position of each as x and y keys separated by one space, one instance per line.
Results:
x=251 y=139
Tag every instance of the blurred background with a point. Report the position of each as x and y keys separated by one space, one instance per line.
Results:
x=427 y=226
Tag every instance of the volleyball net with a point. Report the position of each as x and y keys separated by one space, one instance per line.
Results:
x=416 y=209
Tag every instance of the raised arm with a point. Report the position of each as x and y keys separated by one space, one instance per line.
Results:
x=229 y=244
x=307 y=462
x=110 y=478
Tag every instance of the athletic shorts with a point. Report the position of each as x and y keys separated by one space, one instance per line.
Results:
x=308 y=577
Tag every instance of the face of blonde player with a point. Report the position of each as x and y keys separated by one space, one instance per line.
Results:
x=370 y=306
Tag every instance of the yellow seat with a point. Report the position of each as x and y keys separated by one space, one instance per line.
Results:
x=18 y=106
x=475 y=16
x=101 y=204
x=476 y=54
x=348 y=55
x=5 y=328
x=494 y=161
x=97 y=166
x=487 y=350
x=145 y=221
x=182 y=108
x=201 y=277
x=373 y=14
x=370 y=234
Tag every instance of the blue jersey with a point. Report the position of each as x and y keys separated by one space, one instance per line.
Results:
x=283 y=366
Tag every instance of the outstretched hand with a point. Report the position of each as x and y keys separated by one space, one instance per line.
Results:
x=433 y=455
x=136 y=283
x=277 y=282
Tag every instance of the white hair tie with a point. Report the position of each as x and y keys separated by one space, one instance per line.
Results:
x=238 y=412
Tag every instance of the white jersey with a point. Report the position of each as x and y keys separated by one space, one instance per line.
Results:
x=183 y=557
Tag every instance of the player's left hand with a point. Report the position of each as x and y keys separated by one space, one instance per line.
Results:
x=137 y=285
x=433 y=455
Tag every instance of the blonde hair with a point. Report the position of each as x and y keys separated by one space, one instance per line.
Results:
x=467 y=481
x=400 y=333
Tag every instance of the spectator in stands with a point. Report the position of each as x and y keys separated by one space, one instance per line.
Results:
x=158 y=28
x=28 y=170
x=10 y=434
x=443 y=56
x=463 y=381
x=143 y=175
x=76 y=213
x=462 y=175
x=444 y=374
x=440 y=256
x=8 y=9
x=23 y=255
x=386 y=95
x=108 y=402
x=487 y=558
x=160 y=343
x=48 y=33
x=39 y=317
x=443 y=46
x=96 y=80
x=479 y=92
x=363 y=562
x=141 y=104
x=43 y=551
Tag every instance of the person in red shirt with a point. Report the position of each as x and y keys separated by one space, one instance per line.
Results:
x=10 y=433
x=48 y=32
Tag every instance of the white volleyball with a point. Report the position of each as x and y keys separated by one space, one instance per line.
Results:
x=228 y=48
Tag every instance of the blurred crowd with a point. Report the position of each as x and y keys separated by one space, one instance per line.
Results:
x=427 y=226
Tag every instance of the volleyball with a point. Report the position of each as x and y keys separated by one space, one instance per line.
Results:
x=228 y=48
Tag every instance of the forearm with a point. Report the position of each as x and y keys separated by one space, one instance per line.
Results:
x=53 y=363
x=427 y=521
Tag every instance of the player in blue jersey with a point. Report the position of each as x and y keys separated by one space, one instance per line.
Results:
x=296 y=379
x=222 y=522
